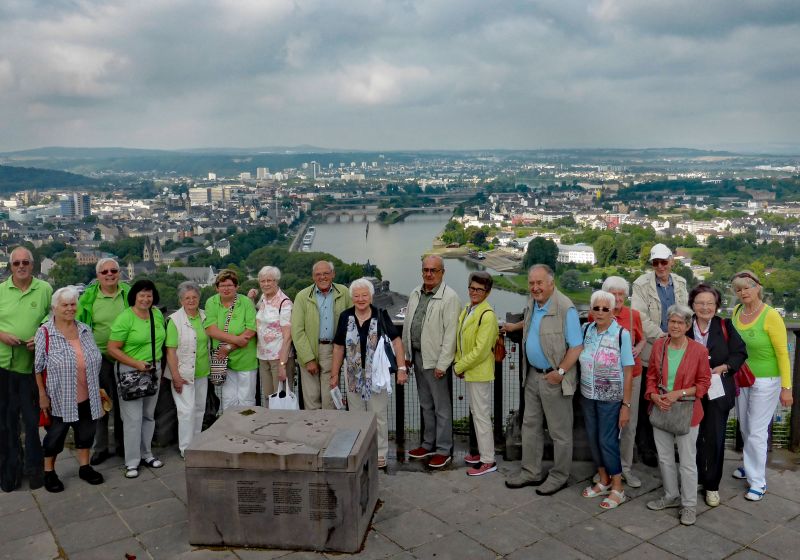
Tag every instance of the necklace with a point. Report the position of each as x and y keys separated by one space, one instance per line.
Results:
x=702 y=332
x=682 y=346
x=753 y=312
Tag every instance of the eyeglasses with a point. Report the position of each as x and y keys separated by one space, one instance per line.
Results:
x=476 y=289
x=109 y=271
x=21 y=263
x=659 y=262
x=703 y=304
x=430 y=270
x=597 y=308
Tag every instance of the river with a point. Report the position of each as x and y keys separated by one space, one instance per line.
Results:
x=396 y=250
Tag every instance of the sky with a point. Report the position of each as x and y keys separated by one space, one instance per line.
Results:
x=400 y=74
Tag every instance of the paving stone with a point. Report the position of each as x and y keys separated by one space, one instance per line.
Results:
x=402 y=556
x=259 y=554
x=738 y=526
x=427 y=490
x=771 y=508
x=64 y=512
x=167 y=542
x=376 y=547
x=23 y=524
x=154 y=515
x=304 y=555
x=391 y=505
x=455 y=546
x=137 y=492
x=495 y=492
x=794 y=524
x=748 y=554
x=782 y=543
x=116 y=549
x=694 y=543
x=41 y=545
x=646 y=550
x=551 y=516
x=785 y=484
x=15 y=502
x=462 y=509
x=85 y=535
x=75 y=491
x=547 y=549
x=634 y=518
x=206 y=554
x=504 y=533
x=413 y=528
x=597 y=539
x=177 y=483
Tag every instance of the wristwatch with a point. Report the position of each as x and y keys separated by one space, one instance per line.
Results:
x=626 y=404
x=683 y=393
x=561 y=371
x=402 y=368
x=283 y=363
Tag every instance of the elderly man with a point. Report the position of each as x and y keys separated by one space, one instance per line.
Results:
x=24 y=302
x=429 y=336
x=653 y=293
x=102 y=301
x=314 y=318
x=551 y=344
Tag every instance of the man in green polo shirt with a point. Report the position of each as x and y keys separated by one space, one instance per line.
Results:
x=101 y=303
x=24 y=302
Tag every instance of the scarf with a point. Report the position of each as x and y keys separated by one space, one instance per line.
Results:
x=359 y=379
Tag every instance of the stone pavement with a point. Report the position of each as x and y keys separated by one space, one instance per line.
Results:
x=421 y=514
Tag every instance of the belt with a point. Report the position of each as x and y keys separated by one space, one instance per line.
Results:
x=326 y=342
x=542 y=371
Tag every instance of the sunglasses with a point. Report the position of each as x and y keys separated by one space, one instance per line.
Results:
x=110 y=271
x=21 y=263
x=659 y=262
x=597 y=308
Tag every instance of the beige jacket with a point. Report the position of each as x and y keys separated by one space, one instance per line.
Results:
x=439 y=328
x=646 y=301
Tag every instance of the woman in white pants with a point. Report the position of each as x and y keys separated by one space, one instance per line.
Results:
x=188 y=360
x=764 y=334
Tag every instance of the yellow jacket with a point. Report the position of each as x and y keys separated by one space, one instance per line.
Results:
x=477 y=334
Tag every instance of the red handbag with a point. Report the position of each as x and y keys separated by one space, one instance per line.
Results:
x=744 y=376
x=44 y=419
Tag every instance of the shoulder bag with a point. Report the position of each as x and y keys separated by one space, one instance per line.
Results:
x=387 y=344
x=499 y=348
x=744 y=376
x=133 y=384
x=678 y=419
x=219 y=363
x=44 y=418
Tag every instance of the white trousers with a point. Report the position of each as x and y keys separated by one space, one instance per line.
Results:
x=379 y=404
x=191 y=406
x=239 y=389
x=755 y=407
x=138 y=427
x=479 y=394
x=628 y=436
x=687 y=453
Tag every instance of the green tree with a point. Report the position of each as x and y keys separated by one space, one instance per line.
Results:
x=604 y=250
x=571 y=280
x=540 y=251
x=68 y=272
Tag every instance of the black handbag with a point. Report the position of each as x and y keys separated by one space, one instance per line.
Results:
x=387 y=344
x=134 y=384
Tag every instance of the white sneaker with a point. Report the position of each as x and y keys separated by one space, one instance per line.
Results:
x=712 y=498
x=631 y=479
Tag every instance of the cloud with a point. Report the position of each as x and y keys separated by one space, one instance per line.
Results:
x=388 y=74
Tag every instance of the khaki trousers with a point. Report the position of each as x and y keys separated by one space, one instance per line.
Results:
x=268 y=371
x=379 y=404
x=479 y=394
x=317 y=388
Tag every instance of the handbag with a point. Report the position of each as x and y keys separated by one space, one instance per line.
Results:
x=283 y=398
x=744 y=376
x=678 y=419
x=218 y=362
x=44 y=418
x=499 y=348
x=134 y=384
x=387 y=344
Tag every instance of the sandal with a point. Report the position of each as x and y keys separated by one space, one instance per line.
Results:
x=153 y=463
x=131 y=472
x=602 y=490
x=755 y=494
x=610 y=503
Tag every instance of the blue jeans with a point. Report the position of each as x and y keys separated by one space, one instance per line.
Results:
x=602 y=430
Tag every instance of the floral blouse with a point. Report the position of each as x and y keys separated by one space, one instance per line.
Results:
x=271 y=315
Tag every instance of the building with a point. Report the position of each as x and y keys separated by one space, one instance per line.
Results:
x=578 y=254
x=262 y=172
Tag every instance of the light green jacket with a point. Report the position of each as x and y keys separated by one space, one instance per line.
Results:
x=477 y=334
x=305 y=320
x=438 y=329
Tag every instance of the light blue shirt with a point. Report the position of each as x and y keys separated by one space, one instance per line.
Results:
x=666 y=294
x=325 y=306
x=533 y=348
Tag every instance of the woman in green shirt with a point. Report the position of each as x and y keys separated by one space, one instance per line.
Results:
x=131 y=346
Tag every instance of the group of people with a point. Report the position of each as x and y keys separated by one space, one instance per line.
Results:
x=669 y=346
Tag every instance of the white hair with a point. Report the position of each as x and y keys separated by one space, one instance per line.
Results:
x=616 y=283
x=269 y=272
x=67 y=293
x=602 y=295
x=362 y=283
x=681 y=311
x=102 y=262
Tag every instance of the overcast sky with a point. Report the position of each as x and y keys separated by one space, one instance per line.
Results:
x=400 y=74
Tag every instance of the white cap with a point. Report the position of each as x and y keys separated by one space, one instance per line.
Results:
x=660 y=251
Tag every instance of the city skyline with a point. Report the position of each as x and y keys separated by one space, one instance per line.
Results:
x=373 y=75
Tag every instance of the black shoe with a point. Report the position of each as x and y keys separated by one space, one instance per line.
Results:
x=100 y=457
x=36 y=480
x=551 y=492
x=516 y=483
x=52 y=483
x=87 y=473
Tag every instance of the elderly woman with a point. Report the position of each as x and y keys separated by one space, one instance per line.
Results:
x=764 y=334
x=231 y=323
x=606 y=385
x=274 y=326
x=726 y=352
x=136 y=335
x=358 y=334
x=678 y=368
x=71 y=393
x=187 y=357
x=474 y=362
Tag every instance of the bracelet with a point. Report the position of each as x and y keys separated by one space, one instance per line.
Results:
x=402 y=368
x=626 y=404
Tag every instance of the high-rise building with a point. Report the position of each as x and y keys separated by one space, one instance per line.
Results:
x=261 y=172
x=67 y=204
x=212 y=176
x=84 y=205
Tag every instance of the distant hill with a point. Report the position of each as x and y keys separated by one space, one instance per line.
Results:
x=13 y=179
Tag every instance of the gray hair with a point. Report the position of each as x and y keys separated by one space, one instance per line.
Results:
x=362 y=283
x=21 y=248
x=270 y=272
x=437 y=257
x=602 y=295
x=187 y=286
x=681 y=311
x=616 y=283
x=329 y=263
x=102 y=262
x=67 y=293
x=544 y=267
